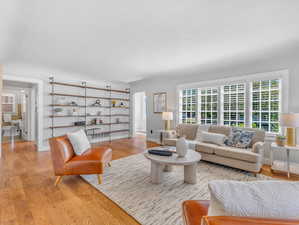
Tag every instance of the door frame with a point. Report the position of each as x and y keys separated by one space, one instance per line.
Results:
x=40 y=110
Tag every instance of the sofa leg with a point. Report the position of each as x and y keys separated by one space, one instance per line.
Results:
x=57 y=181
x=100 y=178
x=109 y=164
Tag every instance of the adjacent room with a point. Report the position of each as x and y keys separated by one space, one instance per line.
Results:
x=149 y=112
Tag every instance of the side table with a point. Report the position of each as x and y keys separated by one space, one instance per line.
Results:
x=279 y=165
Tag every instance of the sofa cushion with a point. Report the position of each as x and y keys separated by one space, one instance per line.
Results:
x=200 y=129
x=259 y=135
x=206 y=147
x=187 y=130
x=226 y=130
x=236 y=153
x=213 y=138
x=240 y=138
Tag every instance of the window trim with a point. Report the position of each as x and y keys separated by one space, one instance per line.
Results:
x=282 y=75
x=13 y=102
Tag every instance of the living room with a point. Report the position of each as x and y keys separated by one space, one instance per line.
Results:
x=151 y=112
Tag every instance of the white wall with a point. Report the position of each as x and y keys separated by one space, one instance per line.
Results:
x=43 y=74
x=140 y=112
x=163 y=82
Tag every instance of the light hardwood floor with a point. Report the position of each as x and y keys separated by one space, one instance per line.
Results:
x=28 y=195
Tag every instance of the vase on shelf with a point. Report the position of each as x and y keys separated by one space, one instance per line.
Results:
x=181 y=147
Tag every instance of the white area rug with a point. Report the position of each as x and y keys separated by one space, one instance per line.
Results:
x=127 y=183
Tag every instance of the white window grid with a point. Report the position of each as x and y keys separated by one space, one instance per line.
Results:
x=208 y=101
x=247 y=119
x=8 y=103
x=265 y=105
x=233 y=104
x=188 y=106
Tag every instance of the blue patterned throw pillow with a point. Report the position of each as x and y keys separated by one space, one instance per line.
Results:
x=239 y=138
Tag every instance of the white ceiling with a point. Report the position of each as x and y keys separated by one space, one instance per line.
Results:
x=128 y=40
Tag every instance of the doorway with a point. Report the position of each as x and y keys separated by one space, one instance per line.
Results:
x=139 y=121
x=19 y=120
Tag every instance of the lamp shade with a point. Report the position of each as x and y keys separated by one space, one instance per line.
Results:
x=167 y=115
x=290 y=120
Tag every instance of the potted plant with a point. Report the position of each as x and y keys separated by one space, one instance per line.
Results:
x=281 y=140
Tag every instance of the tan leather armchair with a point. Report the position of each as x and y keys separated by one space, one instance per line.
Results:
x=66 y=162
x=195 y=213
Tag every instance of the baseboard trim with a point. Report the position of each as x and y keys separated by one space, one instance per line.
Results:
x=153 y=140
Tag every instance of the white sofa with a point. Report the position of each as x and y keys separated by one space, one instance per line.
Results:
x=250 y=159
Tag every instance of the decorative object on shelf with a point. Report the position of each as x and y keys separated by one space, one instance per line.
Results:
x=181 y=147
x=93 y=122
x=160 y=102
x=58 y=111
x=97 y=103
x=291 y=122
x=73 y=103
x=99 y=121
x=281 y=140
x=75 y=111
x=117 y=120
x=79 y=123
x=167 y=117
x=121 y=104
x=113 y=102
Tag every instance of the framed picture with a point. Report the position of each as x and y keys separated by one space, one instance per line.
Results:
x=160 y=102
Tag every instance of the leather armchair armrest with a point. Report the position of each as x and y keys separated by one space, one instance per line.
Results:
x=193 y=211
x=230 y=220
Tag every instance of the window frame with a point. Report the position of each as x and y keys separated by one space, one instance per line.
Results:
x=13 y=103
x=282 y=75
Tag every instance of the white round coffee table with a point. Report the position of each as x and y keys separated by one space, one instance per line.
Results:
x=160 y=164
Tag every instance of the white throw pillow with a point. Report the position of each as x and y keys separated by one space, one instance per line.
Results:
x=213 y=138
x=200 y=129
x=79 y=141
x=263 y=199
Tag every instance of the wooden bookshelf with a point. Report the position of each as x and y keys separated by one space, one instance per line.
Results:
x=87 y=92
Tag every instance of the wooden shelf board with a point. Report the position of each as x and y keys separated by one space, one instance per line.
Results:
x=102 y=124
x=89 y=87
x=93 y=97
x=62 y=116
x=89 y=106
x=109 y=132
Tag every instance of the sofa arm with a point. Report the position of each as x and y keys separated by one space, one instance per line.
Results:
x=258 y=148
x=169 y=134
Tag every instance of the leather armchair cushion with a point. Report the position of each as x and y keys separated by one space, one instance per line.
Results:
x=228 y=220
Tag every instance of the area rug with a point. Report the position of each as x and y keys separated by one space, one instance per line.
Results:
x=128 y=184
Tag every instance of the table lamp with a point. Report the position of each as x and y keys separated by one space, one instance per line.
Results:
x=167 y=116
x=291 y=122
